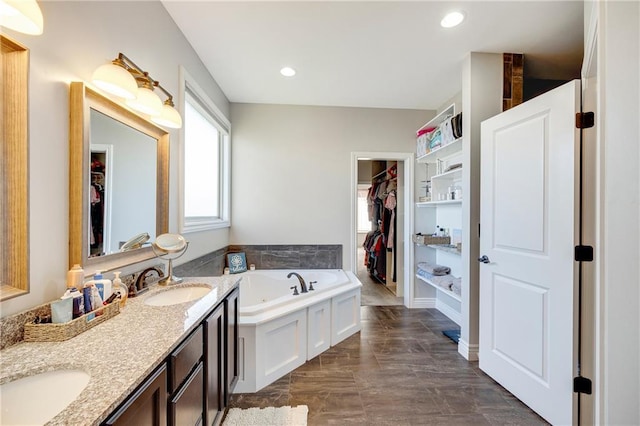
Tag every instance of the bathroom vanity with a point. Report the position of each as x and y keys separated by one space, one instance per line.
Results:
x=172 y=364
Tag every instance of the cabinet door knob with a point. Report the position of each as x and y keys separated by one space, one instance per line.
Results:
x=484 y=259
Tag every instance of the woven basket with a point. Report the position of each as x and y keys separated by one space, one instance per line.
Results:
x=65 y=331
x=430 y=239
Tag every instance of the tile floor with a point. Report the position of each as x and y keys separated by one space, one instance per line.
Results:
x=399 y=370
x=374 y=293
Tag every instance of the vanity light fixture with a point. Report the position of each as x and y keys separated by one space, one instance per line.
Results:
x=452 y=19
x=123 y=78
x=24 y=16
x=288 y=72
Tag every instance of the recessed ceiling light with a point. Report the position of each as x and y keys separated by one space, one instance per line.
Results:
x=452 y=19
x=288 y=72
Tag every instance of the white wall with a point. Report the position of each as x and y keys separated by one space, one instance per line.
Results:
x=291 y=170
x=619 y=127
x=78 y=37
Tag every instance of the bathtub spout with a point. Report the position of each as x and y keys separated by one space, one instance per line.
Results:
x=303 y=285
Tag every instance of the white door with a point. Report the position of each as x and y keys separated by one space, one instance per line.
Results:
x=529 y=223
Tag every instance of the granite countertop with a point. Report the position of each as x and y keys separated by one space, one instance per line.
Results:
x=119 y=353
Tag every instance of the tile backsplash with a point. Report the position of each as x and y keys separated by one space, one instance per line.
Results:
x=285 y=256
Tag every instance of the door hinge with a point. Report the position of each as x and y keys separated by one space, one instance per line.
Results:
x=582 y=385
x=585 y=120
x=583 y=254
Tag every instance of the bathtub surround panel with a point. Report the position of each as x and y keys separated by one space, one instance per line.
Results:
x=283 y=346
x=209 y=265
x=345 y=316
x=284 y=256
x=287 y=256
x=319 y=329
x=284 y=331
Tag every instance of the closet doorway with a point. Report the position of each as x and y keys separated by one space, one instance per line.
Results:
x=381 y=225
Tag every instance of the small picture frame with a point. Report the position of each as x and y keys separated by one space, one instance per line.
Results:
x=237 y=262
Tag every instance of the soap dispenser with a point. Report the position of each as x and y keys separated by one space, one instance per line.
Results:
x=120 y=288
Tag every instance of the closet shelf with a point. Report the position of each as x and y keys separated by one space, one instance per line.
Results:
x=455 y=174
x=436 y=203
x=434 y=283
x=445 y=247
x=442 y=152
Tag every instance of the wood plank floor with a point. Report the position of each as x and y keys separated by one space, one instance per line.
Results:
x=399 y=370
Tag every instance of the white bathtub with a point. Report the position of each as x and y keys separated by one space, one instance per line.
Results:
x=279 y=332
x=261 y=291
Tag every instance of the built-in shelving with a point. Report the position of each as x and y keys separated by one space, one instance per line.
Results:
x=434 y=282
x=455 y=174
x=442 y=152
x=444 y=247
x=437 y=203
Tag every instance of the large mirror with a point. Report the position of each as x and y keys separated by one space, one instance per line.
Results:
x=118 y=182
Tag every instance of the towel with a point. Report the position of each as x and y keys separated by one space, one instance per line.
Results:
x=434 y=269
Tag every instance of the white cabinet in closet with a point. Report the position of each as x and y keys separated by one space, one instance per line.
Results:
x=439 y=206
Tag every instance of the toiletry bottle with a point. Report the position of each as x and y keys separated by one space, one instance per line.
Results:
x=75 y=277
x=78 y=304
x=86 y=298
x=120 y=288
x=103 y=285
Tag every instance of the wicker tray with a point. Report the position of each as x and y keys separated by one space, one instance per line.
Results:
x=430 y=239
x=65 y=331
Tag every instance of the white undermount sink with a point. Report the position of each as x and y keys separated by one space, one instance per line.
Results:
x=177 y=295
x=36 y=399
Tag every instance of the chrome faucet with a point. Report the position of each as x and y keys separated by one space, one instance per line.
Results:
x=303 y=285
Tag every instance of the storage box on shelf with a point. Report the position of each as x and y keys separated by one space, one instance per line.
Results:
x=438 y=134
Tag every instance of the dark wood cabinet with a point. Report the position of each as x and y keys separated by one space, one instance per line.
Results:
x=231 y=341
x=214 y=365
x=186 y=381
x=185 y=407
x=194 y=383
x=184 y=358
x=147 y=405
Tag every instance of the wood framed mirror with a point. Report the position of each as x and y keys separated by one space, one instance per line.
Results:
x=14 y=169
x=118 y=181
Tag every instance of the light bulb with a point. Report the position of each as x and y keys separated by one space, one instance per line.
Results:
x=24 y=16
x=452 y=19
x=169 y=117
x=146 y=102
x=114 y=79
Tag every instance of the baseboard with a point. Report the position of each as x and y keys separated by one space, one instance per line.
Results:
x=451 y=313
x=424 y=302
x=469 y=352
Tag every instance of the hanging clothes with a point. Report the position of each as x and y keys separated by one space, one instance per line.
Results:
x=390 y=205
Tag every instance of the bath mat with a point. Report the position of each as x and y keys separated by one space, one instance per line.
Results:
x=452 y=334
x=269 y=416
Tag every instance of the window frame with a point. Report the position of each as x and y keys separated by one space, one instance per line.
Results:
x=218 y=119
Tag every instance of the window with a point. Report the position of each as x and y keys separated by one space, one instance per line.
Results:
x=205 y=163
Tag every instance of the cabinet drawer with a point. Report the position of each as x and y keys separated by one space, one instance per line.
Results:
x=184 y=358
x=186 y=407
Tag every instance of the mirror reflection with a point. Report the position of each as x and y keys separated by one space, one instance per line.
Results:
x=118 y=182
x=122 y=200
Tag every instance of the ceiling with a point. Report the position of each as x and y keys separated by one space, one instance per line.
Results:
x=371 y=53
